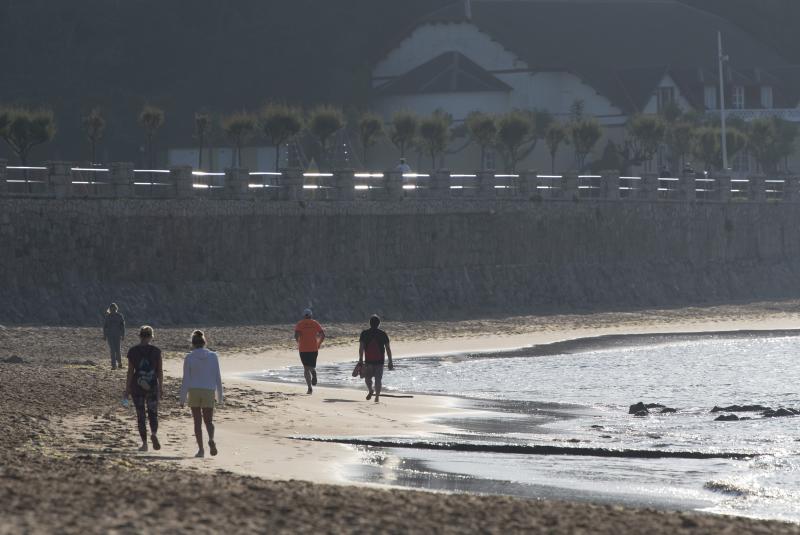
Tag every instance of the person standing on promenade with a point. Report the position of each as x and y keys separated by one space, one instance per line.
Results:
x=373 y=347
x=403 y=167
x=114 y=333
x=309 y=336
x=145 y=384
x=201 y=381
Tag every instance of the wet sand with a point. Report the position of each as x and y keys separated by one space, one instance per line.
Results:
x=68 y=461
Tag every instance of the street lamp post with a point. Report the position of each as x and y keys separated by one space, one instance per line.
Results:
x=722 y=59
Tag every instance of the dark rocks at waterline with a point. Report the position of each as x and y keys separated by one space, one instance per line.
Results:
x=13 y=359
x=729 y=418
x=780 y=413
x=643 y=409
x=637 y=408
x=741 y=408
x=641 y=406
x=769 y=413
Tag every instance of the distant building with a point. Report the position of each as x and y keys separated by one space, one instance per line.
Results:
x=618 y=57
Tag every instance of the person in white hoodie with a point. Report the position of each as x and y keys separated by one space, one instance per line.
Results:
x=201 y=381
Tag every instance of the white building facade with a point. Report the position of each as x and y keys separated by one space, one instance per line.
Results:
x=617 y=58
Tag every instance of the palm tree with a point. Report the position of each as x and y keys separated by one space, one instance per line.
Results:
x=404 y=130
x=279 y=124
x=94 y=124
x=555 y=136
x=483 y=131
x=513 y=130
x=434 y=134
x=584 y=135
x=324 y=122
x=151 y=119
x=370 y=129
x=239 y=127
x=25 y=129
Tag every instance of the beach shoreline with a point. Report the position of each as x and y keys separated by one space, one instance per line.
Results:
x=476 y=424
x=260 y=419
x=418 y=415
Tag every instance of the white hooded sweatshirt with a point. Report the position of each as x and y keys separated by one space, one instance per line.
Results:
x=201 y=370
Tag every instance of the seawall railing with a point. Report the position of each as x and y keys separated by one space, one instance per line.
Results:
x=123 y=180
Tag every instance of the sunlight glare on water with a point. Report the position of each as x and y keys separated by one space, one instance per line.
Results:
x=597 y=387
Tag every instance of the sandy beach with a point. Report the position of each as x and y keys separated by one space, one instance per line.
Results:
x=69 y=462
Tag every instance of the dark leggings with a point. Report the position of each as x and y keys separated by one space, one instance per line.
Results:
x=149 y=402
x=114 y=349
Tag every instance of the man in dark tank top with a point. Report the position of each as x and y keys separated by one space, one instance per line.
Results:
x=373 y=348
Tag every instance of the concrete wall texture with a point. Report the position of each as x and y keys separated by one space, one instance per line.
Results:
x=201 y=261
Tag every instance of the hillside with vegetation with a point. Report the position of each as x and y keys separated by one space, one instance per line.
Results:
x=774 y=22
x=189 y=55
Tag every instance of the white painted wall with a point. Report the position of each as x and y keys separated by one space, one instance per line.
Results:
x=551 y=91
x=667 y=81
x=431 y=40
x=459 y=105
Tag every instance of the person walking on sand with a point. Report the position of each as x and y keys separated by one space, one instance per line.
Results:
x=309 y=336
x=145 y=384
x=373 y=347
x=114 y=333
x=201 y=381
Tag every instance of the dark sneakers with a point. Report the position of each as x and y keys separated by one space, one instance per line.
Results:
x=212 y=446
x=156 y=443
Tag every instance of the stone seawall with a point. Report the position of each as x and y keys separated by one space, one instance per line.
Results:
x=201 y=261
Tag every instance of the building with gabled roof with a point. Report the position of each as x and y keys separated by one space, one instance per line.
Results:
x=618 y=57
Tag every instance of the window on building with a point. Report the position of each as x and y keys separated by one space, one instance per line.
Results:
x=738 y=98
x=666 y=96
x=711 y=97
x=766 y=97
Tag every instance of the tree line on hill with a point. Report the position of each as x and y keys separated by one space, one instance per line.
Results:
x=185 y=55
x=773 y=22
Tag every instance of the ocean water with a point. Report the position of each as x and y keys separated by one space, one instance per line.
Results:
x=581 y=400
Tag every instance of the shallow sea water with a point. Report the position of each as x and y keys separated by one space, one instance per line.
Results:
x=581 y=400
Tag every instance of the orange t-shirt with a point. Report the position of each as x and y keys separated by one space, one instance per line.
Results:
x=308 y=329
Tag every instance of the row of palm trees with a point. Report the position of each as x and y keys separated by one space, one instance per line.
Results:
x=514 y=135
x=681 y=135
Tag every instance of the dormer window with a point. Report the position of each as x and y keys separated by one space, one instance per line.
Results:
x=710 y=97
x=738 y=98
x=666 y=96
x=766 y=97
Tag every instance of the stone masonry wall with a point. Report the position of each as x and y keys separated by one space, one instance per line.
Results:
x=201 y=261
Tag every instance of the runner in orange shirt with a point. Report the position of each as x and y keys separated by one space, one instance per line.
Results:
x=309 y=336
